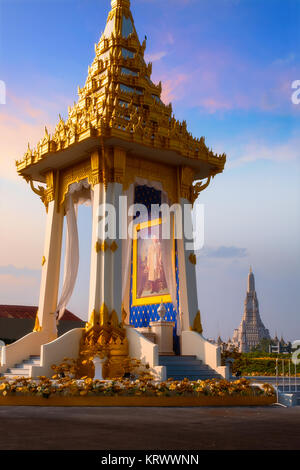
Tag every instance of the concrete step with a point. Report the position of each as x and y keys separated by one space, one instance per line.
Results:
x=181 y=363
x=177 y=358
x=10 y=375
x=189 y=366
x=188 y=373
x=21 y=366
x=31 y=362
x=181 y=367
x=22 y=369
x=191 y=371
x=18 y=370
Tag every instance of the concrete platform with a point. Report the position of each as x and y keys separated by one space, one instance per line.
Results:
x=33 y=428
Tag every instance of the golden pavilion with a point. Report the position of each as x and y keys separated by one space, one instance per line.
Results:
x=119 y=142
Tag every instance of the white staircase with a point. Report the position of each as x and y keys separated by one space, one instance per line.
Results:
x=181 y=367
x=22 y=369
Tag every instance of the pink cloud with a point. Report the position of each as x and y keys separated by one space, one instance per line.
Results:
x=221 y=80
x=18 y=291
x=174 y=88
x=155 y=56
x=22 y=121
x=253 y=151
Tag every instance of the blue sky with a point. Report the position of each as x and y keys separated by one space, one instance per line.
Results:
x=227 y=66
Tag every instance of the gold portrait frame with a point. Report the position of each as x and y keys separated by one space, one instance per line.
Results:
x=166 y=298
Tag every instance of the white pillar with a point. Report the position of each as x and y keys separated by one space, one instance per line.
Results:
x=115 y=301
x=188 y=297
x=96 y=252
x=51 y=269
x=107 y=279
x=106 y=257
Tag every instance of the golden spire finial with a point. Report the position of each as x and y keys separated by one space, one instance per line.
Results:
x=120 y=3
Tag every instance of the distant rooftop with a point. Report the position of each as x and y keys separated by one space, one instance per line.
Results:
x=29 y=312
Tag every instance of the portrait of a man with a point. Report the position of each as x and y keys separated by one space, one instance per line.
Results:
x=149 y=281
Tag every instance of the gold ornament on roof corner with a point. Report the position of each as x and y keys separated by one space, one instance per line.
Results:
x=197 y=188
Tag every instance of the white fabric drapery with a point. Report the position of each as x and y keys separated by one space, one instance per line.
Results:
x=81 y=193
x=71 y=258
x=78 y=193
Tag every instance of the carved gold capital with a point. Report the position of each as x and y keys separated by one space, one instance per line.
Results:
x=186 y=181
x=119 y=164
x=51 y=180
x=95 y=167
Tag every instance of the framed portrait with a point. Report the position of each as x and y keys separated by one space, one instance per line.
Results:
x=149 y=285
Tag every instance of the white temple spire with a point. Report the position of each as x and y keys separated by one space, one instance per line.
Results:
x=251 y=330
x=251 y=281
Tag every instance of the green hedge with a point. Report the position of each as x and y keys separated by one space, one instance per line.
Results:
x=256 y=363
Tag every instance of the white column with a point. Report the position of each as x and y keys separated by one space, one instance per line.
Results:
x=116 y=256
x=96 y=252
x=106 y=257
x=51 y=269
x=188 y=297
x=107 y=279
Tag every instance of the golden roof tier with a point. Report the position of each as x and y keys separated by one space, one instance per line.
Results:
x=120 y=106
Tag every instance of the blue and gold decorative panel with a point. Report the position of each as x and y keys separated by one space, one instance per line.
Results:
x=147 y=196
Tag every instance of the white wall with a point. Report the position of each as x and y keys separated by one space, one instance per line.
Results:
x=143 y=349
x=55 y=352
x=29 y=345
x=194 y=344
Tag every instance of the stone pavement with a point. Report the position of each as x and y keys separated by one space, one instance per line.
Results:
x=35 y=428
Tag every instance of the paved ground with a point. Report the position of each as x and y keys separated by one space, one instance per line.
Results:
x=149 y=428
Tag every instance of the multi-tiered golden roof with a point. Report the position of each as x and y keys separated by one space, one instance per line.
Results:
x=120 y=106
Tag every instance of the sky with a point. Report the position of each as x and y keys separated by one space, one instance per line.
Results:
x=227 y=66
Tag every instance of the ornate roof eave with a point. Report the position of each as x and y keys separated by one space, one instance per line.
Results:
x=119 y=104
x=53 y=155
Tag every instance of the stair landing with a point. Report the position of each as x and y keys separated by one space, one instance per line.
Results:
x=189 y=367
